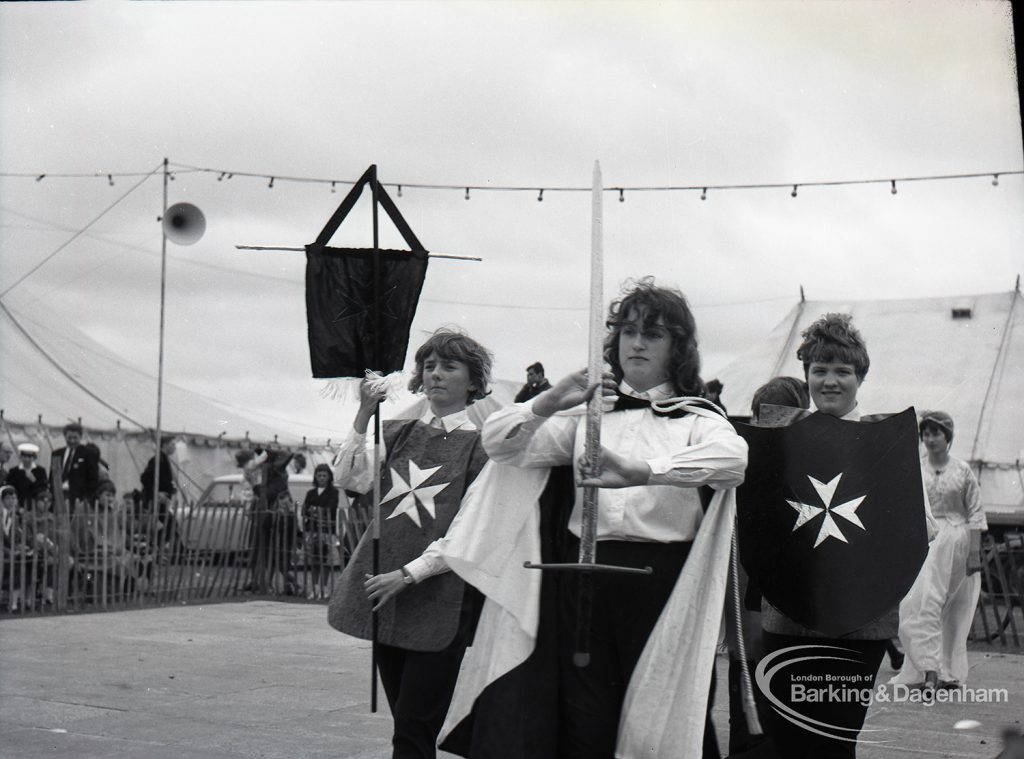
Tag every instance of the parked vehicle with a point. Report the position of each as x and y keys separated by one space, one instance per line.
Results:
x=219 y=520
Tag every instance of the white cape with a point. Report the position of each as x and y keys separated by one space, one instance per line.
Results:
x=498 y=530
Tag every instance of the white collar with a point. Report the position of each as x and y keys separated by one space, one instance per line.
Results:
x=658 y=393
x=451 y=421
x=853 y=415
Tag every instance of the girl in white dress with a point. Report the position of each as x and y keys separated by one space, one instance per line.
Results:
x=936 y=616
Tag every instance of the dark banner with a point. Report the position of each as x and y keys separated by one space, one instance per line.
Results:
x=345 y=337
x=831 y=517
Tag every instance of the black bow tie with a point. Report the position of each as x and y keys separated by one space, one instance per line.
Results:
x=626 y=402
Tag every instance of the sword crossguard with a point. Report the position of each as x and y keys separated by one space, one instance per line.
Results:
x=577 y=567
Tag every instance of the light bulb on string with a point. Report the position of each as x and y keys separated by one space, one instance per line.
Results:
x=110 y=179
x=271 y=185
x=40 y=177
x=467 y=193
x=995 y=180
x=893 y=181
x=540 y=196
x=793 y=194
x=622 y=198
x=221 y=177
x=704 y=193
x=399 y=190
x=332 y=187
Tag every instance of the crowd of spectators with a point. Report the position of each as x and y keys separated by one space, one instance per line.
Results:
x=105 y=547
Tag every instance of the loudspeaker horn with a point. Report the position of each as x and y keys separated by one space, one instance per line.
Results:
x=184 y=224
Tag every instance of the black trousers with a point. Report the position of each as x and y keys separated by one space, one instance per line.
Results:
x=625 y=609
x=419 y=687
x=825 y=690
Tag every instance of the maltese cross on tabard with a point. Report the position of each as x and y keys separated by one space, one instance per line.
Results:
x=830 y=517
x=414 y=491
x=807 y=512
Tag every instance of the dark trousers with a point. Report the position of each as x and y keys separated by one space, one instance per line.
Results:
x=625 y=608
x=419 y=687
x=838 y=709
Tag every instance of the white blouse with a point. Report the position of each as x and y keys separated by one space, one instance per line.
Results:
x=682 y=454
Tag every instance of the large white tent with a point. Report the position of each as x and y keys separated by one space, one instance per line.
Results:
x=963 y=355
x=53 y=375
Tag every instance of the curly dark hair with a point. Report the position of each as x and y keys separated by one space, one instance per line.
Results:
x=834 y=339
x=649 y=302
x=453 y=345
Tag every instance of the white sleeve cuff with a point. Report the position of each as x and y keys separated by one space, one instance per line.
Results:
x=423 y=567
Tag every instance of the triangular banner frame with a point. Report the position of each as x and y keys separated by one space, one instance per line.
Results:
x=383 y=199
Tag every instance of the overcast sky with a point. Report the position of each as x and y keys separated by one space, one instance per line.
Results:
x=499 y=94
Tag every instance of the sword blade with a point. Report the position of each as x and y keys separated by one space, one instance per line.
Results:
x=588 y=528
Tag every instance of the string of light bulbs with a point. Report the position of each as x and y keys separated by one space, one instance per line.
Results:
x=703 y=188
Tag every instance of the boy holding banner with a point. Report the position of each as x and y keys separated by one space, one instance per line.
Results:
x=427 y=614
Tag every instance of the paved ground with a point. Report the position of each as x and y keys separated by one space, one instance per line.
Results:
x=269 y=679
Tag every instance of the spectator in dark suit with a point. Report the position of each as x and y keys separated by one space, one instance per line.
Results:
x=79 y=466
x=536 y=383
x=166 y=474
x=28 y=475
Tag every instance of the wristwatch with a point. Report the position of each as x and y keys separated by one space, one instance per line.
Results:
x=406 y=577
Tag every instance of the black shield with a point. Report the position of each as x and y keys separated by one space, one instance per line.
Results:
x=831 y=517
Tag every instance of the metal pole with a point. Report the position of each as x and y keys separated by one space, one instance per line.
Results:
x=160 y=364
x=376 y=432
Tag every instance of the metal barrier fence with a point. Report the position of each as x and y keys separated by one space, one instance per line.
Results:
x=1000 y=615
x=103 y=557
x=109 y=557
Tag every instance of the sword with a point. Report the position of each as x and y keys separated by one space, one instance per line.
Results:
x=595 y=370
x=587 y=563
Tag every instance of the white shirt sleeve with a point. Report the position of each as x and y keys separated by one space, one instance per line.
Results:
x=930 y=525
x=515 y=435
x=717 y=456
x=428 y=563
x=353 y=463
x=972 y=503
